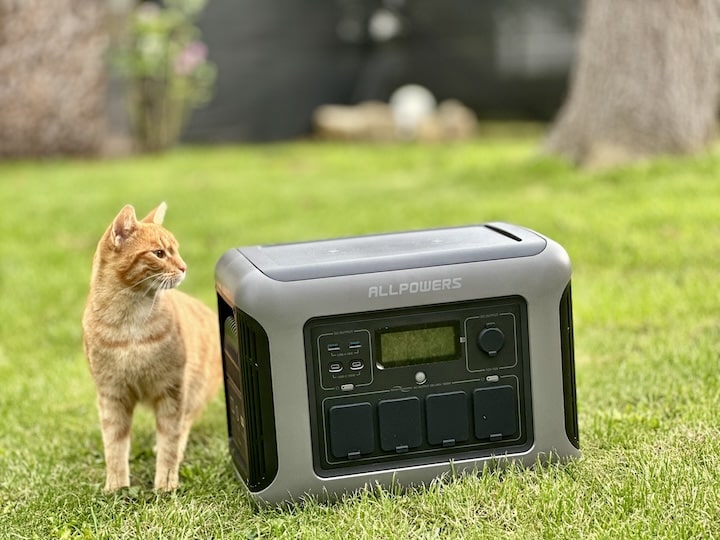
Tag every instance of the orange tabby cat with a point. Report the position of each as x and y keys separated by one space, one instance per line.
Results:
x=147 y=343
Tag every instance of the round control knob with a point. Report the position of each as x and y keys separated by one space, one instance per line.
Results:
x=491 y=340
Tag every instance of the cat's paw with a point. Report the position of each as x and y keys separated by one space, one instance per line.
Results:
x=113 y=484
x=167 y=487
x=166 y=482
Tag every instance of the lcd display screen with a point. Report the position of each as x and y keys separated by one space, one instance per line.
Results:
x=418 y=344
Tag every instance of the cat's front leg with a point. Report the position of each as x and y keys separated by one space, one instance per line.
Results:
x=115 y=425
x=168 y=417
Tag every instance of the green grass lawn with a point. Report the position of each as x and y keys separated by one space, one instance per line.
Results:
x=644 y=243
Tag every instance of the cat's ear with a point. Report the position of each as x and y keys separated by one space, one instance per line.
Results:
x=156 y=216
x=124 y=225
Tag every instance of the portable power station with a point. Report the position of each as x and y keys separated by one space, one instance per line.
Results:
x=395 y=358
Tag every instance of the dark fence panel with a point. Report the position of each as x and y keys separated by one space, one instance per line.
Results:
x=279 y=59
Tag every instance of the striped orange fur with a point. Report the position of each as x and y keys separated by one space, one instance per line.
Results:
x=147 y=343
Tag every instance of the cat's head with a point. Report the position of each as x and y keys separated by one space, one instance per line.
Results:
x=142 y=254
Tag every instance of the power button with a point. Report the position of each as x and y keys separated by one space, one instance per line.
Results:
x=491 y=340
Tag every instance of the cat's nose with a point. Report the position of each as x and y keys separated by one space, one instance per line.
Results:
x=182 y=268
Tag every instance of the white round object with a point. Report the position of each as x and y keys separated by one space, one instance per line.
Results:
x=411 y=104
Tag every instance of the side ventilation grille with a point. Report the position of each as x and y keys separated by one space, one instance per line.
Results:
x=248 y=395
x=568 y=367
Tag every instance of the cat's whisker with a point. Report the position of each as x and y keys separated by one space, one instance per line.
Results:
x=162 y=281
x=152 y=306
x=151 y=276
x=153 y=286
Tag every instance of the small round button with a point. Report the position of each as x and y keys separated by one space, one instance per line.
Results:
x=491 y=340
x=420 y=377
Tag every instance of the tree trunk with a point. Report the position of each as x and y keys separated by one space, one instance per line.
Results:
x=645 y=82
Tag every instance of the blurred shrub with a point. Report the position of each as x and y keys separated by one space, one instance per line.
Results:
x=167 y=69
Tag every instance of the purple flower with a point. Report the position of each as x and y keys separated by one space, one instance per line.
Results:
x=190 y=58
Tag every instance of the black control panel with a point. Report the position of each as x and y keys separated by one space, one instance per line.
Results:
x=411 y=384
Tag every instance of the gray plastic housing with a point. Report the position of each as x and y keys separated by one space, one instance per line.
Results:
x=282 y=287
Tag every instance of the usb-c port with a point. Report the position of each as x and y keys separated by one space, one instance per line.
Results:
x=335 y=367
x=357 y=365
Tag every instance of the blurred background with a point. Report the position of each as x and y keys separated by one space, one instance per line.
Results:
x=278 y=59
x=614 y=81
x=95 y=77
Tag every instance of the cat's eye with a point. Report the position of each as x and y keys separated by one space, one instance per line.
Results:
x=159 y=253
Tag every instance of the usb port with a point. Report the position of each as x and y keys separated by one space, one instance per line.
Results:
x=357 y=365
x=333 y=347
x=335 y=367
x=354 y=345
